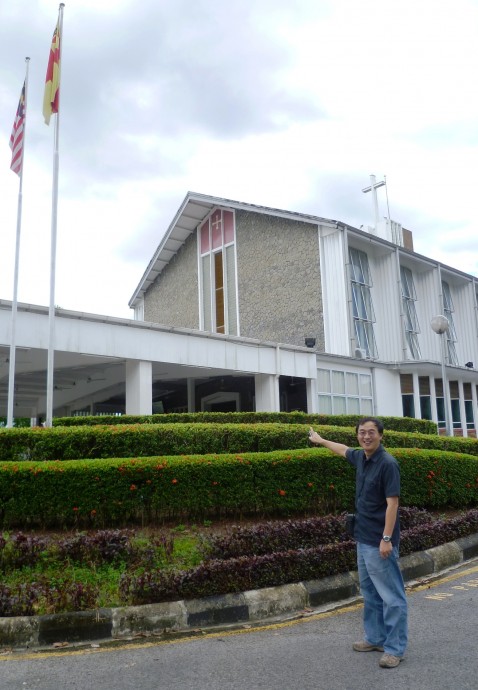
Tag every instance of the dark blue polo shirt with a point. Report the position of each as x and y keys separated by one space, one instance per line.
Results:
x=376 y=479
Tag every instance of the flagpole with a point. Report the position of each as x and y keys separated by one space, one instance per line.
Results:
x=54 y=218
x=11 y=365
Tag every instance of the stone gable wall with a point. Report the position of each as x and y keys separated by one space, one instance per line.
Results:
x=279 y=292
x=172 y=300
x=279 y=279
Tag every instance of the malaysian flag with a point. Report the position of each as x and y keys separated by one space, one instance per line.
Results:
x=16 y=137
x=52 y=81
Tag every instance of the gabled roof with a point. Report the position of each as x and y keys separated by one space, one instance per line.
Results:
x=192 y=211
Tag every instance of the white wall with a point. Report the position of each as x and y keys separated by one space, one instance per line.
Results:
x=388 y=397
x=386 y=298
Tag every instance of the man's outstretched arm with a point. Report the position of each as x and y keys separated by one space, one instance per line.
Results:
x=337 y=448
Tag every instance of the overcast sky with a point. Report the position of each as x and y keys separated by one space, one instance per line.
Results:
x=284 y=103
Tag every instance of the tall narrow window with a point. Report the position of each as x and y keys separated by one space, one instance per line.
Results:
x=425 y=397
x=455 y=404
x=448 y=310
x=440 y=403
x=409 y=297
x=362 y=307
x=218 y=273
x=470 y=418
x=408 y=402
x=219 y=288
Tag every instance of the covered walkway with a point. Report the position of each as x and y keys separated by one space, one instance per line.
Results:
x=101 y=358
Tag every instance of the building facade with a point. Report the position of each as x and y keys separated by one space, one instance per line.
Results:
x=362 y=300
x=244 y=307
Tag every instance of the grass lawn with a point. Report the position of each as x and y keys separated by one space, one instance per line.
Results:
x=56 y=562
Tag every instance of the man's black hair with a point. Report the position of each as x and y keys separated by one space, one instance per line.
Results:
x=378 y=423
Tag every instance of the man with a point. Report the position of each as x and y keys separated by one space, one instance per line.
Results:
x=377 y=533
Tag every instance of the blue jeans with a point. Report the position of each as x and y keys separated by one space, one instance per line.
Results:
x=385 y=601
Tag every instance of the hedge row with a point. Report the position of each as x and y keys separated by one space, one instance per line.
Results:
x=422 y=426
x=239 y=574
x=277 y=568
x=148 y=490
x=143 y=440
x=268 y=554
x=299 y=533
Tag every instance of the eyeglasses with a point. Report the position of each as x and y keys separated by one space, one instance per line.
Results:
x=367 y=433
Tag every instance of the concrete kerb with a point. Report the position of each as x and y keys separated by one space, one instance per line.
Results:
x=224 y=610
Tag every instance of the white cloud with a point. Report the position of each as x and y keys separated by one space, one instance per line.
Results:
x=284 y=104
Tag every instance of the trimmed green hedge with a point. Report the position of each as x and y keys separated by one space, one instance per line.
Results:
x=119 y=491
x=143 y=440
x=422 y=426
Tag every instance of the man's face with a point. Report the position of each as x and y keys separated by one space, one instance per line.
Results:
x=369 y=438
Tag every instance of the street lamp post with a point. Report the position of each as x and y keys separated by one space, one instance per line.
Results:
x=440 y=325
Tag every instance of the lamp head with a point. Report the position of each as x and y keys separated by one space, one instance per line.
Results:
x=439 y=324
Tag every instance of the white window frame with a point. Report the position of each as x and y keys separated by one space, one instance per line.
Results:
x=411 y=323
x=357 y=387
x=207 y=317
x=448 y=309
x=363 y=313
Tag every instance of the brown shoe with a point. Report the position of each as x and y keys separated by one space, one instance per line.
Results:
x=390 y=661
x=365 y=646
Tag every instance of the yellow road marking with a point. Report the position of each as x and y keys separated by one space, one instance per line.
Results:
x=449 y=578
x=439 y=597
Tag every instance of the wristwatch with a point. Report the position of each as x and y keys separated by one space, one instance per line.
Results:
x=386 y=538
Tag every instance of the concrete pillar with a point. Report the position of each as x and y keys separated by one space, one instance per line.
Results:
x=139 y=387
x=312 y=397
x=433 y=401
x=267 y=393
x=191 y=383
x=416 y=395
x=475 y=411
x=461 y=393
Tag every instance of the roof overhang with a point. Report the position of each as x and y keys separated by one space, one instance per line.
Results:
x=193 y=210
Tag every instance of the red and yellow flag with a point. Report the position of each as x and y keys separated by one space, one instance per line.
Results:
x=52 y=82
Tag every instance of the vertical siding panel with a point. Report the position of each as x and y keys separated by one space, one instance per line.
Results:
x=334 y=293
x=428 y=306
x=465 y=326
x=387 y=307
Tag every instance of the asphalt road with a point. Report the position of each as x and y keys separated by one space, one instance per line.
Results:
x=313 y=653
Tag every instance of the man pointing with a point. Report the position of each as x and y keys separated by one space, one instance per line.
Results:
x=377 y=533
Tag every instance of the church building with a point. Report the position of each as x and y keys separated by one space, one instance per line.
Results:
x=360 y=299
x=249 y=308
